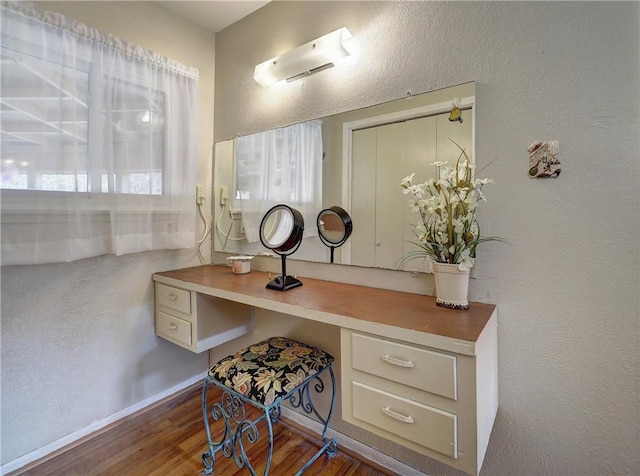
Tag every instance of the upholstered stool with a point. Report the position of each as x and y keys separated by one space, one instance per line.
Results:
x=265 y=375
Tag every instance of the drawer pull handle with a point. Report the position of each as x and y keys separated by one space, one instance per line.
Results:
x=396 y=415
x=172 y=326
x=171 y=297
x=398 y=362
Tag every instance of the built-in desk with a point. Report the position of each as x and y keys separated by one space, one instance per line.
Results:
x=421 y=375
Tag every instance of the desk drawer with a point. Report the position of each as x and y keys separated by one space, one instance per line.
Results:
x=426 y=370
x=421 y=424
x=173 y=328
x=174 y=298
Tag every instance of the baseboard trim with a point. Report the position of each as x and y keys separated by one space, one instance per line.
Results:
x=364 y=452
x=75 y=437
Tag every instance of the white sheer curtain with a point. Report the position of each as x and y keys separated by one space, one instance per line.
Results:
x=98 y=150
x=279 y=166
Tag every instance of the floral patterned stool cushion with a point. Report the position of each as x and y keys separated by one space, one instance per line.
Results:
x=271 y=369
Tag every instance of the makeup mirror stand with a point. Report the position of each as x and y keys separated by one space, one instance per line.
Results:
x=284 y=281
x=334 y=228
x=281 y=231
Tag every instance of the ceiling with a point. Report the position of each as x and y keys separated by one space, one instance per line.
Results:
x=213 y=15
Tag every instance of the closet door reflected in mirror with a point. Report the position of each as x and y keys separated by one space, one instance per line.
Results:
x=381 y=157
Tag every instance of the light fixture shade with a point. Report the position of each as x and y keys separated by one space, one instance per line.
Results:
x=310 y=58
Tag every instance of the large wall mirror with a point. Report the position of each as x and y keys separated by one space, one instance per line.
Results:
x=354 y=160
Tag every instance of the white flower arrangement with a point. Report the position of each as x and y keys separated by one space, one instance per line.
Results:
x=448 y=230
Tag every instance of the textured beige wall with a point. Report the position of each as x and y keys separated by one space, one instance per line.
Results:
x=567 y=285
x=78 y=341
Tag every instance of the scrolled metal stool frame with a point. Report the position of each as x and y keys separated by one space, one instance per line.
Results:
x=237 y=427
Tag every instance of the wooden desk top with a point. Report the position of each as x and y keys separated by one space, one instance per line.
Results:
x=406 y=316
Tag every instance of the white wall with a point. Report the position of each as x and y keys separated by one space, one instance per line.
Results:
x=567 y=285
x=78 y=341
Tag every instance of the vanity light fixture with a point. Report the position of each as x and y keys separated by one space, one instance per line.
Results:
x=305 y=60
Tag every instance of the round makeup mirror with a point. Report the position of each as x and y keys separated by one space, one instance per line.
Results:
x=334 y=227
x=281 y=231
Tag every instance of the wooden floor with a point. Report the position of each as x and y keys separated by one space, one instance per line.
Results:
x=168 y=439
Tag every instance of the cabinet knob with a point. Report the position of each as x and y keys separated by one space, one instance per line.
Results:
x=172 y=326
x=171 y=297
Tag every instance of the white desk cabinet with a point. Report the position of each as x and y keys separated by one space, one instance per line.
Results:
x=421 y=375
x=196 y=321
x=436 y=402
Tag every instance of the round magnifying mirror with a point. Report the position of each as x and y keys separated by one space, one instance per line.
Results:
x=334 y=227
x=281 y=231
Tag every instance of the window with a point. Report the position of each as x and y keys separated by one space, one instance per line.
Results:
x=46 y=111
x=94 y=131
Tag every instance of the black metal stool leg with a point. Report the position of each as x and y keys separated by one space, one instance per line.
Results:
x=305 y=402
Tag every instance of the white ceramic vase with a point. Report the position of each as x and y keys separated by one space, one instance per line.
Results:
x=452 y=286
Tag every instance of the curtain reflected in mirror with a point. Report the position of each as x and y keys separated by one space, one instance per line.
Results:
x=278 y=166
